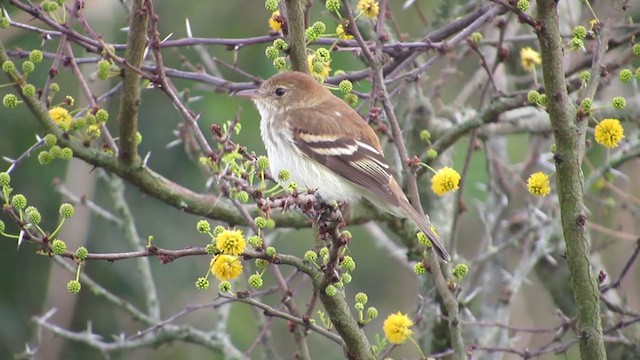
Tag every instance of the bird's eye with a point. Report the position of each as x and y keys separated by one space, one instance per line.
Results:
x=280 y=91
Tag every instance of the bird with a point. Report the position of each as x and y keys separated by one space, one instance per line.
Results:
x=327 y=146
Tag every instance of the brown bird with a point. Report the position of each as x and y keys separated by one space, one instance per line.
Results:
x=327 y=146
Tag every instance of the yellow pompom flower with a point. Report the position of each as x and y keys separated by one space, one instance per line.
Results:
x=370 y=8
x=397 y=328
x=276 y=21
x=445 y=180
x=609 y=132
x=538 y=184
x=319 y=69
x=342 y=34
x=61 y=117
x=231 y=242
x=226 y=267
x=529 y=59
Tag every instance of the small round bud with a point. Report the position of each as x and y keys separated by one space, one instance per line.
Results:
x=202 y=283
x=432 y=154
x=49 y=6
x=362 y=298
x=81 y=253
x=284 y=175
x=460 y=271
x=262 y=163
x=625 y=75
x=323 y=55
x=58 y=247
x=310 y=256
x=587 y=106
x=138 y=138
x=358 y=306
x=585 y=76
x=280 y=44
x=280 y=63
x=217 y=230
x=419 y=269
x=224 y=286
x=54 y=87
x=103 y=69
x=533 y=96
x=10 y=101
x=425 y=135
x=423 y=239
x=29 y=90
x=271 y=224
x=255 y=281
x=74 y=286
x=324 y=251
x=346 y=278
x=66 y=210
x=332 y=5
x=523 y=5
x=261 y=263
x=5 y=179
x=476 y=37
x=203 y=226
x=19 y=201
x=331 y=290
x=346 y=234
x=372 y=313
x=255 y=241
x=8 y=66
x=33 y=215
x=579 y=32
x=270 y=251
x=2 y=226
x=311 y=34
x=636 y=49
x=66 y=153
x=318 y=67
x=69 y=100
x=345 y=86
x=618 y=102
x=351 y=99
x=4 y=22
x=339 y=284
x=102 y=115
x=91 y=119
x=36 y=56
x=242 y=196
x=348 y=264
x=576 y=44
x=44 y=158
x=542 y=100
x=271 y=5
x=28 y=66
x=210 y=248
x=553 y=148
x=260 y=222
x=55 y=151
x=271 y=52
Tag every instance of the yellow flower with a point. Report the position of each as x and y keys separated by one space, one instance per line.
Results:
x=538 y=184
x=609 y=132
x=319 y=69
x=342 y=35
x=369 y=8
x=397 y=328
x=231 y=242
x=226 y=267
x=529 y=58
x=445 y=180
x=61 y=117
x=276 y=21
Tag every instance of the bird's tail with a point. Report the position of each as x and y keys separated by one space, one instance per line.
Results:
x=424 y=224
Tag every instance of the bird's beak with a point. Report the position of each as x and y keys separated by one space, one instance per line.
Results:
x=248 y=93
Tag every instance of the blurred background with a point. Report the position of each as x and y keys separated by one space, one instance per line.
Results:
x=31 y=284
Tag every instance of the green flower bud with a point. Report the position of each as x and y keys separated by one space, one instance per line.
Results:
x=346 y=278
x=576 y=44
x=262 y=163
x=618 y=102
x=423 y=239
x=255 y=241
x=345 y=86
x=242 y=196
x=372 y=313
x=284 y=175
x=91 y=119
x=533 y=96
x=553 y=148
x=49 y=6
x=138 y=138
x=210 y=248
x=271 y=5
x=585 y=76
x=280 y=44
x=522 y=5
x=425 y=135
x=460 y=271
x=362 y=298
x=587 y=106
x=5 y=179
x=476 y=37
x=419 y=269
x=255 y=281
x=324 y=251
x=270 y=251
x=351 y=99
x=44 y=158
x=66 y=153
x=542 y=100
x=33 y=215
x=55 y=151
x=203 y=226
x=332 y=5
x=8 y=66
x=2 y=226
x=339 y=284
x=202 y=283
x=66 y=210
x=280 y=63
x=36 y=56
x=348 y=264
x=217 y=230
x=10 y=101
x=432 y=154
x=310 y=256
x=272 y=52
x=81 y=253
x=347 y=235
x=579 y=32
x=54 y=87
x=358 y=306
x=74 y=286
x=318 y=66
x=29 y=90
x=260 y=222
x=323 y=55
x=636 y=49
x=103 y=69
x=261 y=263
x=311 y=34
x=271 y=224
x=625 y=75
x=4 y=23
x=102 y=115
x=58 y=247
x=331 y=290
x=19 y=201
x=224 y=286
x=28 y=66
